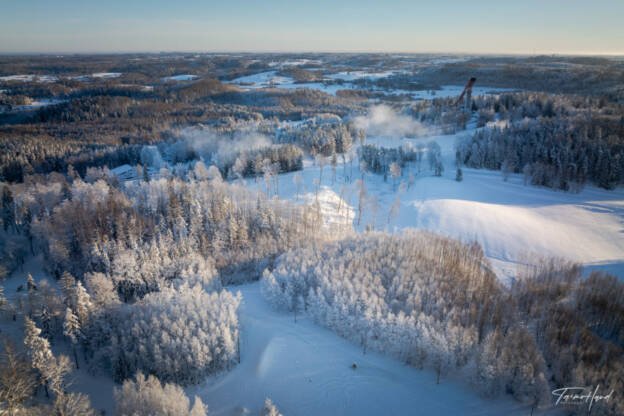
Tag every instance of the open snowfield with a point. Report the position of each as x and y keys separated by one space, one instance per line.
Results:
x=106 y=75
x=306 y=370
x=514 y=223
x=183 y=77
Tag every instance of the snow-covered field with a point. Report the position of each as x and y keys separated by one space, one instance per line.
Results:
x=513 y=222
x=29 y=78
x=182 y=77
x=306 y=370
x=43 y=102
x=263 y=80
x=353 y=75
x=106 y=75
x=456 y=90
x=271 y=79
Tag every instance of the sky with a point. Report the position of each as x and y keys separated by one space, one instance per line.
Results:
x=469 y=26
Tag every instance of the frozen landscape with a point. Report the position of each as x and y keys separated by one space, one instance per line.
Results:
x=513 y=222
x=343 y=234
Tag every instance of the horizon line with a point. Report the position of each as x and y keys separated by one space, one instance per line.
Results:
x=321 y=52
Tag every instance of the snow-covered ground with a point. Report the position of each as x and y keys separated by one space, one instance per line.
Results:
x=353 y=75
x=42 y=102
x=516 y=224
x=29 y=77
x=271 y=79
x=54 y=78
x=106 y=75
x=182 y=77
x=306 y=370
x=294 y=62
x=263 y=80
x=455 y=91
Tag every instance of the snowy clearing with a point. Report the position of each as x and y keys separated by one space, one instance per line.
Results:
x=306 y=370
x=513 y=222
x=353 y=75
x=183 y=77
x=262 y=80
x=106 y=75
x=29 y=78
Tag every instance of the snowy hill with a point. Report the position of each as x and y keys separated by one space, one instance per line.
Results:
x=512 y=221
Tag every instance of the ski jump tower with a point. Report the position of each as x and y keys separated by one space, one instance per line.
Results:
x=468 y=93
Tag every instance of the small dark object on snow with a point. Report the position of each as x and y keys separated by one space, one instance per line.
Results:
x=354 y=366
x=19 y=288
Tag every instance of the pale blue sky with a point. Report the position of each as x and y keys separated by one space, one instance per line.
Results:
x=527 y=26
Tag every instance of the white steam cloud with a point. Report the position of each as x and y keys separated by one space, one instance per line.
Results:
x=220 y=149
x=384 y=121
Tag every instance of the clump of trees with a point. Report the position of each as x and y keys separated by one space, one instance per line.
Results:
x=181 y=335
x=379 y=159
x=557 y=152
x=321 y=139
x=146 y=396
x=279 y=158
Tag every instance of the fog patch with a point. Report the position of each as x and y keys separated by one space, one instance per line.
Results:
x=382 y=120
x=214 y=148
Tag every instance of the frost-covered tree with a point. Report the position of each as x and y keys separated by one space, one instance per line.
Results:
x=67 y=283
x=298 y=181
x=395 y=173
x=146 y=396
x=81 y=302
x=17 y=380
x=180 y=335
x=3 y=300
x=270 y=409
x=73 y=404
x=101 y=290
x=52 y=370
x=30 y=284
x=71 y=329
x=362 y=198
